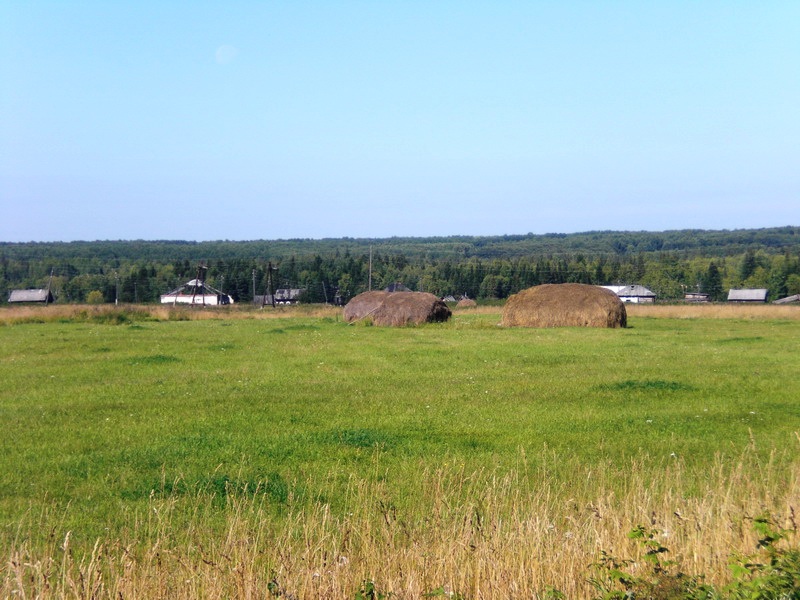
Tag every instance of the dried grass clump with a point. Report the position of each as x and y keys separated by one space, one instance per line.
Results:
x=565 y=305
x=395 y=309
x=466 y=303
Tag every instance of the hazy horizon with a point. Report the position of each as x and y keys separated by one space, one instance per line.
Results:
x=368 y=238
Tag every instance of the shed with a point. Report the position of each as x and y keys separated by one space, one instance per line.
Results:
x=695 y=297
x=281 y=296
x=43 y=296
x=748 y=295
x=633 y=294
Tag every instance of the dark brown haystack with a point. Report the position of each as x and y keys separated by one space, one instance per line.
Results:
x=396 y=308
x=466 y=303
x=565 y=305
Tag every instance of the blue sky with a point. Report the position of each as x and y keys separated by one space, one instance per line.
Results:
x=299 y=119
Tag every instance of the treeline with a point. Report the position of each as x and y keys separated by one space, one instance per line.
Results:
x=669 y=263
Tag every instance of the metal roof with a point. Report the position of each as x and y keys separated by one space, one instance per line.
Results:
x=30 y=296
x=630 y=291
x=196 y=291
x=752 y=295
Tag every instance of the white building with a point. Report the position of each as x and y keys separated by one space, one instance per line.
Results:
x=196 y=293
x=634 y=294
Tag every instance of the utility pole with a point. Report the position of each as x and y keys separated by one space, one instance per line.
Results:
x=270 y=269
x=199 y=283
x=254 y=286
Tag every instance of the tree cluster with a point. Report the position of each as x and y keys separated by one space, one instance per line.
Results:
x=669 y=263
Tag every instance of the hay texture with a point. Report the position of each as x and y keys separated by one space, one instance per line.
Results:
x=565 y=305
x=466 y=303
x=396 y=309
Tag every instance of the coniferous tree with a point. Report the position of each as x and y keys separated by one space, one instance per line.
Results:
x=712 y=283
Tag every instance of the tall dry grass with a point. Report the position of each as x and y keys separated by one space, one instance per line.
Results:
x=160 y=312
x=478 y=534
x=715 y=311
x=157 y=312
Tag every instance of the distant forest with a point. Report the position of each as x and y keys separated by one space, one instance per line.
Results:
x=670 y=263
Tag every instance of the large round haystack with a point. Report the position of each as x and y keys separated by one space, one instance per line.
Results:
x=466 y=303
x=565 y=305
x=363 y=305
x=396 y=308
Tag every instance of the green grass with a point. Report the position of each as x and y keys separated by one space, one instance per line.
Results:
x=100 y=417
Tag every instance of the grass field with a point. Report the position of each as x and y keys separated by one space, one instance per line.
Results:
x=151 y=453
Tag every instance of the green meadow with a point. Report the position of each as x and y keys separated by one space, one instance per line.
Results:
x=305 y=419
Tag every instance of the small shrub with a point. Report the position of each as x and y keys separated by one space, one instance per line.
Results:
x=441 y=592
x=658 y=581
x=368 y=591
x=773 y=572
x=95 y=297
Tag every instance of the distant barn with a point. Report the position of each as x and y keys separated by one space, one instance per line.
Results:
x=32 y=296
x=748 y=295
x=696 y=297
x=633 y=294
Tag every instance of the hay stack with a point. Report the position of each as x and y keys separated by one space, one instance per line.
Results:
x=363 y=305
x=565 y=305
x=396 y=308
x=466 y=303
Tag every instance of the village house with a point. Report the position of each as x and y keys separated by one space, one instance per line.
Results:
x=633 y=294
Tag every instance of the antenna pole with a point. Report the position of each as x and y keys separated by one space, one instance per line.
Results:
x=200 y=283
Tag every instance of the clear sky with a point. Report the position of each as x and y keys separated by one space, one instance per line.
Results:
x=299 y=119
